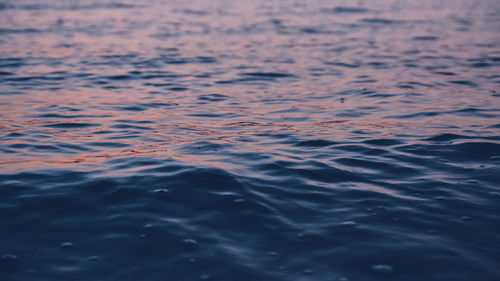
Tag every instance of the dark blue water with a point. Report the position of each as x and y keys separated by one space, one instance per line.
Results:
x=249 y=140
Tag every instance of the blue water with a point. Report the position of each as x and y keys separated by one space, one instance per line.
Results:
x=249 y=140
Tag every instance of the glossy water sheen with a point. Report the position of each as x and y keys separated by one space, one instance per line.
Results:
x=249 y=140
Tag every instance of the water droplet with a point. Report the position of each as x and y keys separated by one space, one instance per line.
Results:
x=382 y=268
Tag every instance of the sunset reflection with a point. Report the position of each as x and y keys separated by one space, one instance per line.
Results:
x=249 y=140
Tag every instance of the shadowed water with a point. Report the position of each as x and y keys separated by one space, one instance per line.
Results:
x=249 y=140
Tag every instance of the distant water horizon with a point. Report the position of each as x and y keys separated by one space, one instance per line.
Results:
x=249 y=140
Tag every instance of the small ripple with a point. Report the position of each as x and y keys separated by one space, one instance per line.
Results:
x=383 y=142
x=447 y=137
x=345 y=10
x=118 y=77
x=213 y=97
x=481 y=65
x=127 y=126
x=425 y=38
x=315 y=143
x=464 y=82
x=384 y=168
x=378 y=21
x=108 y=144
x=268 y=74
x=466 y=152
x=73 y=125
x=343 y=64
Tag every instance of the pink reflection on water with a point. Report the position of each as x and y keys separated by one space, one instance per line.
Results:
x=240 y=38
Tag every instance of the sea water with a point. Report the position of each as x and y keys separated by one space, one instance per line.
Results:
x=249 y=140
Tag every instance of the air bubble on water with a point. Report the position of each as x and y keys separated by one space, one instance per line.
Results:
x=161 y=191
x=66 y=244
x=348 y=223
x=190 y=241
x=382 y=268
x=9 y=257
x=93 y=258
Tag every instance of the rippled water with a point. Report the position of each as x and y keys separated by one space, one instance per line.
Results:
x=249 y=140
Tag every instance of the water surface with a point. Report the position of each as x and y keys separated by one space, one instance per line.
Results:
x=249 y=140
